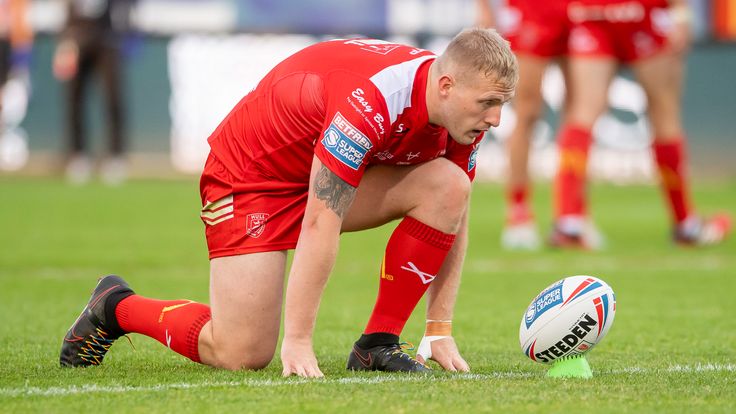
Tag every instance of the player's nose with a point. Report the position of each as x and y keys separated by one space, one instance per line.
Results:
x=492 y=116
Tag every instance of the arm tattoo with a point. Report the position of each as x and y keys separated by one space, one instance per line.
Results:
x=336 y=193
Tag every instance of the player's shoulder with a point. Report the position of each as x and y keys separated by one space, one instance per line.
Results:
x=363 y=55
x=375 y=46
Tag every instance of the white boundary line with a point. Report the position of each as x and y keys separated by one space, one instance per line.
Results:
x=388 y=378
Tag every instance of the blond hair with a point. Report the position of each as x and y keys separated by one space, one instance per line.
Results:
x=483 y=51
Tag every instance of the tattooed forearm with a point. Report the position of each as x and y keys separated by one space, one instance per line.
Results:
x=336 y=193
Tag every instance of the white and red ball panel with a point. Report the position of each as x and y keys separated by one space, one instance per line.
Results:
x=567 y=318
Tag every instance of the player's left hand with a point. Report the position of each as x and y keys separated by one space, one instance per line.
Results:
x=299 y=359
x=444 y=351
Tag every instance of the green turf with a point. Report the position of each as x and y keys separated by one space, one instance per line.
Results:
x=672 y=347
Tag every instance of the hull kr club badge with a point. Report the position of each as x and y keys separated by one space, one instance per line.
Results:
x=255 y=224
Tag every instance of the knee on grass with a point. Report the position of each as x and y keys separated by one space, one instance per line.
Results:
x=243 y=357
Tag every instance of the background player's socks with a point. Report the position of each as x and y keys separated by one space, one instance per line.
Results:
x=518 y=205
x=519 y=232
x=670 y=158
x=574 y=145
x=174 y=323
x=414 y=254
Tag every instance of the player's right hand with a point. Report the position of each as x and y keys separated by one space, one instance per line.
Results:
x=443 y=350
x=299 y=359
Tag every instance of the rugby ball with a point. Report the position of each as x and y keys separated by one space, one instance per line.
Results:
x=567 y=318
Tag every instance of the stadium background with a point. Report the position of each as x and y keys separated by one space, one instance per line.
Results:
x=193 y=59
x=671 y=349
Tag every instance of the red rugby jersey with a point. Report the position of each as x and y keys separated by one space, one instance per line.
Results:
x=648 y=3
x=536 y=8
x=353 y=103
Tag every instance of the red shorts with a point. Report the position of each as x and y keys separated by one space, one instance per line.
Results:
x=625 y=30
x=249 y=214
x=535 y=28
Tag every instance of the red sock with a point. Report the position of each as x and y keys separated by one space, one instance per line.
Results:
x=174 y=323
x=518 y=194
x=573 y=144
x=670 y=158
x=414 y=254
x=518 y=206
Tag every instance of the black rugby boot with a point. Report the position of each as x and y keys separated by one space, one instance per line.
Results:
x=390 y=358
x=96 y=328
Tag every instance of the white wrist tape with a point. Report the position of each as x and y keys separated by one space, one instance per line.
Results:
x=425 y=347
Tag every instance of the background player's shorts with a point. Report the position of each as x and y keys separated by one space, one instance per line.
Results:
x=249 y=215
x=625 y=30
x=539 y=29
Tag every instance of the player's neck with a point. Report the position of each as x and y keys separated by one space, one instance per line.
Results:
x=430 y=96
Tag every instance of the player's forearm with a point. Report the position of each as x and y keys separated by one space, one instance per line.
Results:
x=313 y=261
x=328 y=201
x=442 y=293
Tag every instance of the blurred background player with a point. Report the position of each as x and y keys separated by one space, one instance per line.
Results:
x=16 y=40
x=652 y=37
x=91 y=41
x=537 y=31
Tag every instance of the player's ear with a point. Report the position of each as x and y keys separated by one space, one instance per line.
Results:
x=445 y=83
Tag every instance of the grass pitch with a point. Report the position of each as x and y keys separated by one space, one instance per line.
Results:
x=672 y=347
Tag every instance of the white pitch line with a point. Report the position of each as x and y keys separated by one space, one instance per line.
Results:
x=388 y=378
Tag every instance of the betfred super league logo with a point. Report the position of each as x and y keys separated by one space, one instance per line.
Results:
x=255 y=223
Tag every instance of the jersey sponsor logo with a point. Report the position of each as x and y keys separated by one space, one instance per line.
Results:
x=358 y=95
x=384 y=155
x=411 y=155
x=473 y=158
x=379 y=121
x=625 y=12
x=361 y=106
x=401 y=130
x=331 y=138
x=346 y=142
x=255 y=224
x=380 y=47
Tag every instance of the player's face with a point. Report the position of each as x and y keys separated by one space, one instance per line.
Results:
x=472 y=106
